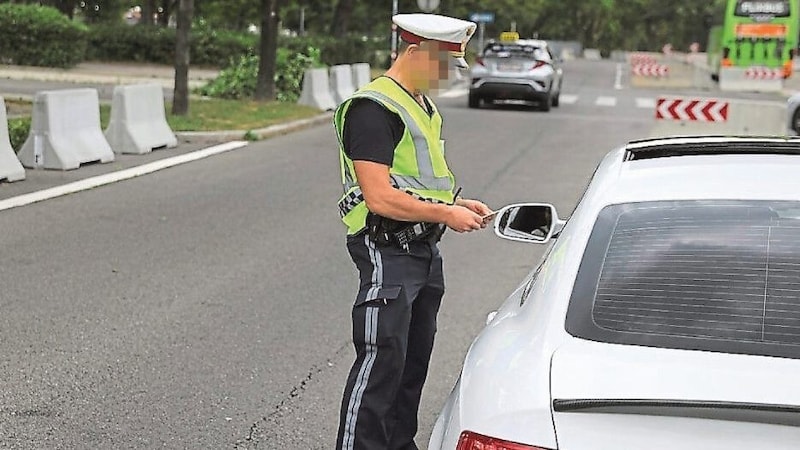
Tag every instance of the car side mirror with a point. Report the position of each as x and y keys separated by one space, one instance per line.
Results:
x=528 y=222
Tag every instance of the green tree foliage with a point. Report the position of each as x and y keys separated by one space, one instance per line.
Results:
x=238 y=81
x=235 y=15
x=89 y=11
x=606 y=24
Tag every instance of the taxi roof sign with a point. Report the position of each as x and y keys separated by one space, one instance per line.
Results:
x=509 y=36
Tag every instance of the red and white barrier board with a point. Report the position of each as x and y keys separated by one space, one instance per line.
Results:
x=763 y=73
x=642 y=58
x=700 y=110
x=651 y=70
x=697 y=116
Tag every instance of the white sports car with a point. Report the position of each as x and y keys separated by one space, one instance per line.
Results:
x=665 y=315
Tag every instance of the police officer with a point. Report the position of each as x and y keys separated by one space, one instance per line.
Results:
x=399 y=195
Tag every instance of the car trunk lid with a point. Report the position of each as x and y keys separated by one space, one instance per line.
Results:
x=511 y=65
x=624 y=397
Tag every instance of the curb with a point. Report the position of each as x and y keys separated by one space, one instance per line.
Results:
x=258 y=134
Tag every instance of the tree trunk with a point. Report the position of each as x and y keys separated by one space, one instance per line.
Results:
x=341 y=18
x=268 y=48
x=66 y=7
x=148 y=10
x=180 y=98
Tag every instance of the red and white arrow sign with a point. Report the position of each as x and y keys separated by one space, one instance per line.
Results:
x=692 y=109
x=763 y=73
x=651 y=70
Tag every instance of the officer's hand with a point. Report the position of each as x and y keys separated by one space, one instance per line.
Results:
x=462 y=219
x=478 y=208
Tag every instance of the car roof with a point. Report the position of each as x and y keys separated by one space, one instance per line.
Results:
x=688 y=168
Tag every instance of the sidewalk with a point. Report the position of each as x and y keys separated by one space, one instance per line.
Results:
x=108 y=73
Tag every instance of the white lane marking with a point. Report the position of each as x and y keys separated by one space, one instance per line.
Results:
x=646 y=103
x=568 y=99
x=113 y=177
x=454 y=93
x=606 y=101
x=618 y=77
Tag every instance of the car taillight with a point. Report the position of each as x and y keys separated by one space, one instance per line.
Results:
x=538 y=64
x=479 y=61
x=474 y=441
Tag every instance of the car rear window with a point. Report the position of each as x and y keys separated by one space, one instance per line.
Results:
x=705 y=275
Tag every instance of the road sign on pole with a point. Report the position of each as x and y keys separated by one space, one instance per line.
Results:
x=428 y=5
x=482 y=17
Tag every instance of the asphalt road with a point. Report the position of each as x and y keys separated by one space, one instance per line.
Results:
x=208 y=305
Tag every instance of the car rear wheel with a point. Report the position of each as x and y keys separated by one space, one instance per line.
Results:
x=474 y=101
x=556 y=99
x=545 y=104
x=796 y=121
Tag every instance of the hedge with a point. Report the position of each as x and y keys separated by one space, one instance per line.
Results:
x=157 y=45
x=32 y=35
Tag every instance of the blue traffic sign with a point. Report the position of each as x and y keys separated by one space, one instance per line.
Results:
x=484 y=17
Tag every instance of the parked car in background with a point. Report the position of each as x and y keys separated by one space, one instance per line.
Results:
x=664 y=315
x=516 y=70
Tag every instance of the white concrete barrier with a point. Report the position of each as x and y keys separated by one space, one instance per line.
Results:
x=619 y=56
x=138 y=122
x=10 y=167
x=316 y=90
x=567 y=54
x=592 y=54
x=701 y=77
x=737 y=79
x=700 y=116
x=341 y=78
x=65 y=131
x=361 y=75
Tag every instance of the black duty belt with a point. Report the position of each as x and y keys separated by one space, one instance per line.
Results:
x=416 y=232
x=389 y=232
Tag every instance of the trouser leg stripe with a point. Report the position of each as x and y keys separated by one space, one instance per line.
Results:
x=370 y=340
x=377 y=269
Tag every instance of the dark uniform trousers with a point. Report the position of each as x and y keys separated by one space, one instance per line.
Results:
x=394 y=322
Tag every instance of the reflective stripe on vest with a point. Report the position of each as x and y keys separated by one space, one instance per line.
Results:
x=355 y=197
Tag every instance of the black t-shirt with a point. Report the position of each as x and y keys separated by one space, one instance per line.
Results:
x=372 y=132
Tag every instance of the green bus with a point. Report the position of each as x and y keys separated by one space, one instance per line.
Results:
x=756 y=33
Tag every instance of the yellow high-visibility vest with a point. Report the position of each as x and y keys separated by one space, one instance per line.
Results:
x=419 y=167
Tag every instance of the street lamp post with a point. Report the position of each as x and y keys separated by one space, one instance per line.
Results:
x=394 y=31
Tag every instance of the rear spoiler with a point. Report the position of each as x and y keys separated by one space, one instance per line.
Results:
x=775 y=414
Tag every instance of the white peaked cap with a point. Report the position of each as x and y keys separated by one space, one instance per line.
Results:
x=454 y=33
